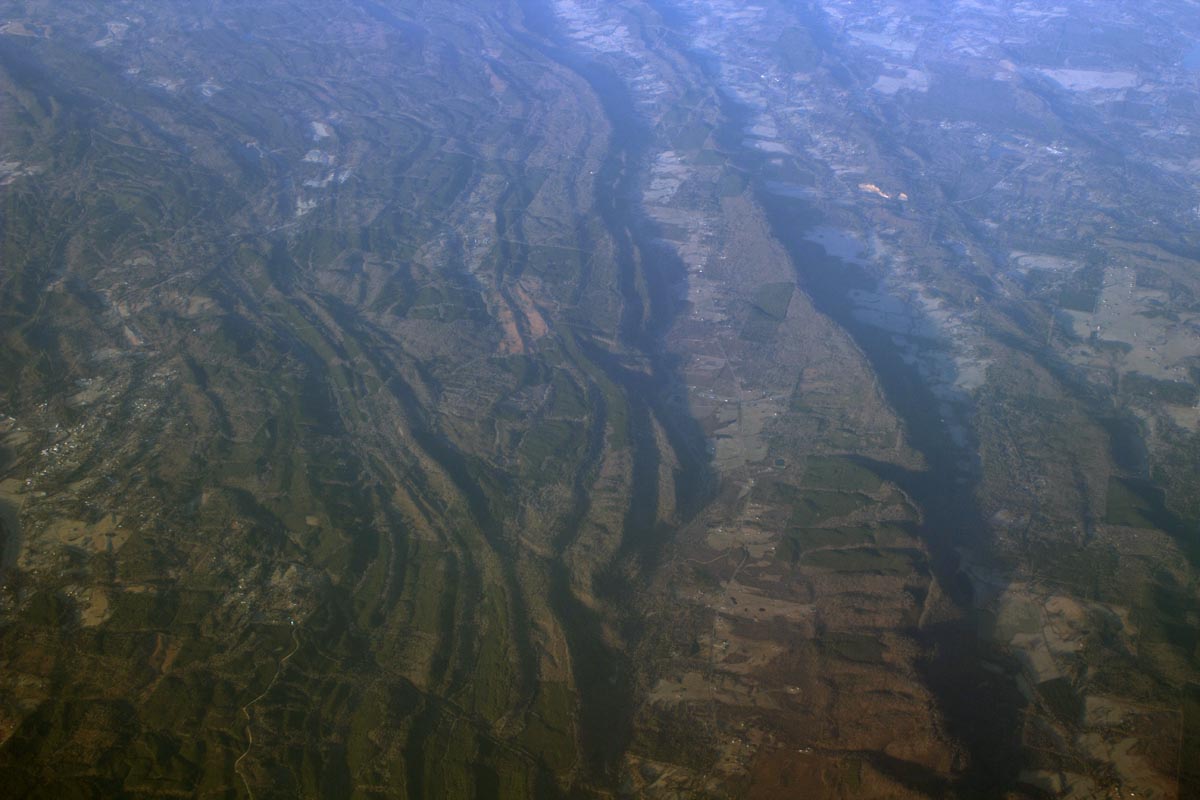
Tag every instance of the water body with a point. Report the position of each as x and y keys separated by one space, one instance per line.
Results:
x=1192 y=59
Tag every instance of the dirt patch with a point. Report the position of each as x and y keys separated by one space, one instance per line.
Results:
x=511 y=344
x=94 y=607
x=537 y=324
x=104 y=536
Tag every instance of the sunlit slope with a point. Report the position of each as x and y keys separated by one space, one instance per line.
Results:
x=314 y=346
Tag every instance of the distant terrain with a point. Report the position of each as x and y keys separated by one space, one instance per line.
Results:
x=599 y=398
